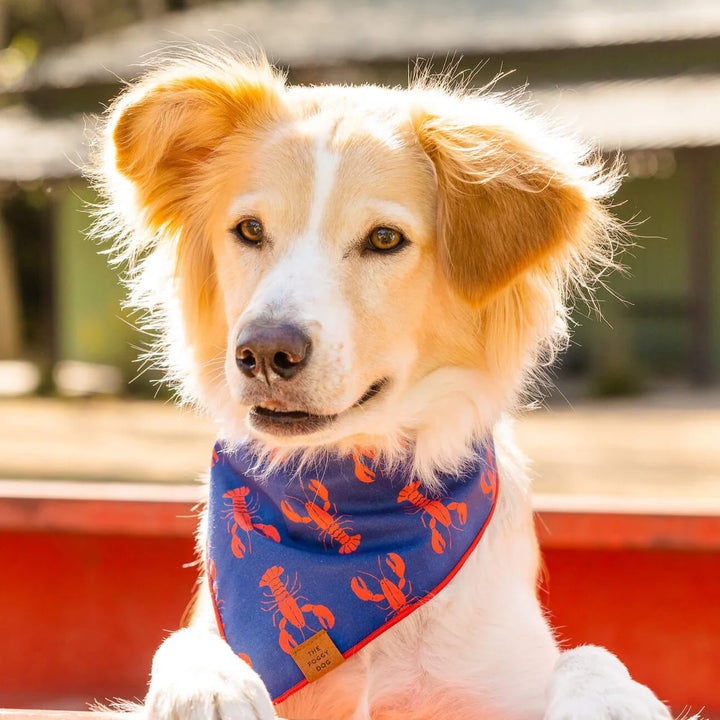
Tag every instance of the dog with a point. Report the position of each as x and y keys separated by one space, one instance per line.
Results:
x=361 y=280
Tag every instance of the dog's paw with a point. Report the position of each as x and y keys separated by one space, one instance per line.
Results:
x=196 y=676
x=590 y=683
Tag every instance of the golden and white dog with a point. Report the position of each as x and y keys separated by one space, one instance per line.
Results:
x=339 y=265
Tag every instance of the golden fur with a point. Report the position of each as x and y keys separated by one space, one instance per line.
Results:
x=520 y=212
x=503 y=218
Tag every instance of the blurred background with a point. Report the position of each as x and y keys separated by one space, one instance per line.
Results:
x=639 y=77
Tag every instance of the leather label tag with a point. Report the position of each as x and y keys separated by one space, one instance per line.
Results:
x=317 y=656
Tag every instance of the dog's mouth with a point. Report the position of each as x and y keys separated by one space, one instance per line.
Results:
x=268 y=417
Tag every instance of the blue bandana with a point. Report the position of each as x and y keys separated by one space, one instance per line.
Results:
x=308 y=565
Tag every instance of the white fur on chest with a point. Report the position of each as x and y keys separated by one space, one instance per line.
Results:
x=472 y=642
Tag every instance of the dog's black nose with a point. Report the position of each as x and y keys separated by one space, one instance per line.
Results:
x=263 y=348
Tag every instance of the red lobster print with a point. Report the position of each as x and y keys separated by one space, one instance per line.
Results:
x=324 y=516
x=277 y=456
x=437 y=513
x=212 y=575
x=488 y=480
x=391 y=592
x=283 y=601
x=243 y=511
x=362 y=472
x=220 y=604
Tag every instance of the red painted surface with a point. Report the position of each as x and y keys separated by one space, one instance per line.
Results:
x=659 y=611
x=91 y=586
x=16 y=714
x=82 y=614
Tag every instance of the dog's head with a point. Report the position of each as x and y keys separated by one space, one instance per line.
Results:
x=347 y=263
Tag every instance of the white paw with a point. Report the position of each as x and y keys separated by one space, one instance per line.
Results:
x=590 y=683
x=196 y=676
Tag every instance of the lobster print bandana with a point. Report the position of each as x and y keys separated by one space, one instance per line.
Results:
x=306 y=566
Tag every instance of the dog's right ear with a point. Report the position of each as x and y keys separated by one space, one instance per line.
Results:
x=509 y=198
x=165 y=126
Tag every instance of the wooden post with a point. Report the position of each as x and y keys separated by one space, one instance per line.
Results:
x=9 y=302
x=700 y=231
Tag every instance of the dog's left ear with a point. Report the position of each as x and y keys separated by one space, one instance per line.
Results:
x=162 y=129
x=503 y=205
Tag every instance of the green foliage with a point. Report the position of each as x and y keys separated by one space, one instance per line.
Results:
x=617 y=382
x=59 y=22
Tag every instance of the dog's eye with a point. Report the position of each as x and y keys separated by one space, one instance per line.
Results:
x=384 y=239
x=249 y=231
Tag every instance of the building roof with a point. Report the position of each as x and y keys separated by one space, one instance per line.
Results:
x=656 y=113
x=659 y=113
x=33 y=148
x=318 y=32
